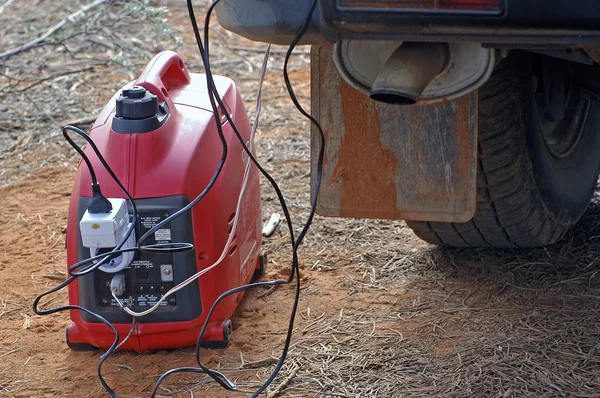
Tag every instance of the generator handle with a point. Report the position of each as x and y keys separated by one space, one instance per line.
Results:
x=164 y=72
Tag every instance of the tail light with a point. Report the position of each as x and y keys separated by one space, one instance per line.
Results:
x=441 y=5
x=469 y=5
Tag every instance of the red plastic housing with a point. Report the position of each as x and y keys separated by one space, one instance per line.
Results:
x=179 y=158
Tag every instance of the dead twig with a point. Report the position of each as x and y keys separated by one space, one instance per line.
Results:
x=5 y=5
x=281 y=386
x=83 y=121
x=554 y=387
x=258 y=364
x=269 y=291
x=55 y=76
x=70 y=18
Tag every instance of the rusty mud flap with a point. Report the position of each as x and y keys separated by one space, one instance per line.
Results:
x=389 y=161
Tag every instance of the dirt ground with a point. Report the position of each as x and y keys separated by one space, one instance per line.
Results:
x=381 y=313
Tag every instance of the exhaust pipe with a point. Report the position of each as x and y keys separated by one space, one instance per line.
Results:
x=408 y=71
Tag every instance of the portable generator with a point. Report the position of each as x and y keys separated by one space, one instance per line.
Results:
x=159 y=136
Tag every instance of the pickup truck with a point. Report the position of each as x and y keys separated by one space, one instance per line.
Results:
x=477 y=121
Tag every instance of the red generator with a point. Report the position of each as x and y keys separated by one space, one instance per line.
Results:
x=159 y=136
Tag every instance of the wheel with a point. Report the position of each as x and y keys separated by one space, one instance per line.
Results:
x=538 y=148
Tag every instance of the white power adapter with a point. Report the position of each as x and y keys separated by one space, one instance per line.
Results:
x=106 y=230
x=100 y=230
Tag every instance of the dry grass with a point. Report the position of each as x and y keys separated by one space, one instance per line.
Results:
x=482 y=323
x=55 y=82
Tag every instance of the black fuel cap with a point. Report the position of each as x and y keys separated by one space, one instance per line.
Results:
x=138 y=111
x=136 y=103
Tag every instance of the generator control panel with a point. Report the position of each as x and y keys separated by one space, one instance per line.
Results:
x=149 y=275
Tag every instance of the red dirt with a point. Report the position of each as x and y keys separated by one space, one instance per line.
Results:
x=33 y=348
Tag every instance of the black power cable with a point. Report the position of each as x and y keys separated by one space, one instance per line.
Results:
x=210 y=83
x=298 y=242
x=89 y=262
x=132 y=225
x=217 y=376
x=76 y=307
x=80 y=151
x=103 y=257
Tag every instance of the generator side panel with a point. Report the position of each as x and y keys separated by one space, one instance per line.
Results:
x=390 y=161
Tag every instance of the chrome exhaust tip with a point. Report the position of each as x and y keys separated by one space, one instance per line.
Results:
x=408 y=71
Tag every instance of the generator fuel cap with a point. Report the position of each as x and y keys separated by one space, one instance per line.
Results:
x=138 y=111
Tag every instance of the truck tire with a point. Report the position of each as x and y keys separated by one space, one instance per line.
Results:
x=539 y=157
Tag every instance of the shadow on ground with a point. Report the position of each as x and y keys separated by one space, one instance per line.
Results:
x=528 y=320
x=571 y=266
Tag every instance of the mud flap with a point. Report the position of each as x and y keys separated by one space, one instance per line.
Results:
x=391 y=161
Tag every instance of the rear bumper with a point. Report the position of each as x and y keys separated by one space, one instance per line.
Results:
x=544 y=22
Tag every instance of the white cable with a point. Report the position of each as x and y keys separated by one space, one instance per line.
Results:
x=237 y=211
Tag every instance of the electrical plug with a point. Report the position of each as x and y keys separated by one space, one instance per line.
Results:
x=117 y=284
x=98 y=203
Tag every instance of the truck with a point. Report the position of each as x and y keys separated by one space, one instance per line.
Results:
x=477 y=121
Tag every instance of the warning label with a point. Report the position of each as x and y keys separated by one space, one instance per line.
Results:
x=163 y=235
x=150 y=221
x=142 y=264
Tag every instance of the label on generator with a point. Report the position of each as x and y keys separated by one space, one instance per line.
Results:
x=163 y=235
x=149 y=221
x=149 y=300
x=142 y=264
x=141 y=301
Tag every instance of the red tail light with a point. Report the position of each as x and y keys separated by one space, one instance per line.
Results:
x=470 y=5
x=400 y=4
x=442 y=5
